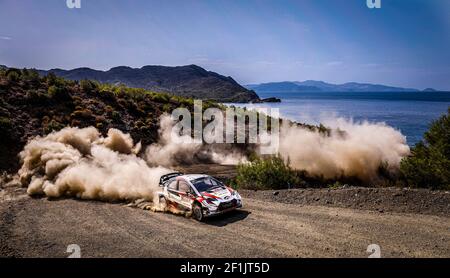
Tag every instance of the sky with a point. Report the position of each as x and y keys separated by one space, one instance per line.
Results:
x=404 y=43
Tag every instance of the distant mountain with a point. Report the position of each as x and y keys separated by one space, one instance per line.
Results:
x=282 y=87
x=188 y=81
x=320 y=86
x=429 y=90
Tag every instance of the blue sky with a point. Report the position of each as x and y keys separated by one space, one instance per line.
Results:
x=405 y=43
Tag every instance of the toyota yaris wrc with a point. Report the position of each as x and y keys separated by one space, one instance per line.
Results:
x=202 y=195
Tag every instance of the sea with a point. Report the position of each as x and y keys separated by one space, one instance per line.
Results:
x=409 y=112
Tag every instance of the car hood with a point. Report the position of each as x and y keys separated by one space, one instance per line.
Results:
x=219 y=194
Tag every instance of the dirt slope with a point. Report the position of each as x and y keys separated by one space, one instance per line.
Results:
x=42 y=228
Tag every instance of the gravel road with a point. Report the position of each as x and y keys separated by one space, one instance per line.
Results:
x=264 y=228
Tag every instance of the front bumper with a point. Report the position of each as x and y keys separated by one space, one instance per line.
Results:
x=217 y=210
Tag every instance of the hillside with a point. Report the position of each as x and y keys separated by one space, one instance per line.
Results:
x=320 y=86
x=187 y=81
x=32 y=105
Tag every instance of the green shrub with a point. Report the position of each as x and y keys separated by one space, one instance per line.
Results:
x=429 y=164
x=13 y=75
x=56 y=92
x=116 y=115
x=5 y=123
x=31 y=76
x=51 y=79
x=60 y=93
x=107 y=95
x=88 y=86
x=159 y=97
x=335 y=185
x=52 y=126
x=167 y=108
x=36 y=97
x=270 y=173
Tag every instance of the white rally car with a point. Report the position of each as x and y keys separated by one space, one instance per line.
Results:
x=202 y=195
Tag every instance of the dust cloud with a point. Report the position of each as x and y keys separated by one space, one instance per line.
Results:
x=180 y=149
x=351 y=149
x=81 y=163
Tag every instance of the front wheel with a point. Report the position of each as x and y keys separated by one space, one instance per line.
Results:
x=197 y=213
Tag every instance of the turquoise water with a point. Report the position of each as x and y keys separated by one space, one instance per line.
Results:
x=411 y=113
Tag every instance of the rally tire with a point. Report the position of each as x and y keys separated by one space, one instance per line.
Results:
x=197 y=213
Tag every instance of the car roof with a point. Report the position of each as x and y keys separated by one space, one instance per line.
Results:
x=194 y=177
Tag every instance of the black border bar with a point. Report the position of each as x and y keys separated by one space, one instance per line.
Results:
x=152 y=267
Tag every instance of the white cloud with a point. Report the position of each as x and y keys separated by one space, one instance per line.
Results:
x=5 y=38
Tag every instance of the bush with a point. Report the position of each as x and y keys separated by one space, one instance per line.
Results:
x=429 y=164
x=13 y=75
x=31 y=76
x=51 y=78
x=88 y=86
x=270 y=173
x=167 y=108
x=52 y=126
x=160 y=97
x=5 y=123
x=58 y=93
x=116 y=116
x=36 y=97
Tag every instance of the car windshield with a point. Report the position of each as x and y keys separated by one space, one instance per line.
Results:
x=206 y=184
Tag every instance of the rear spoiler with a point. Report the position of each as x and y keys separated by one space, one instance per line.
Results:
x=167 y=177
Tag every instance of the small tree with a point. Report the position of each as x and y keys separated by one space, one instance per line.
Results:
x=429 y=164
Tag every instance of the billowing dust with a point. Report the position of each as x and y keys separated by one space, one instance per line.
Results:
x=169 y=152
x=352 y=149
x=81 y=163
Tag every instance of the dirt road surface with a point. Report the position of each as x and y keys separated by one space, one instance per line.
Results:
x=43 y=228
